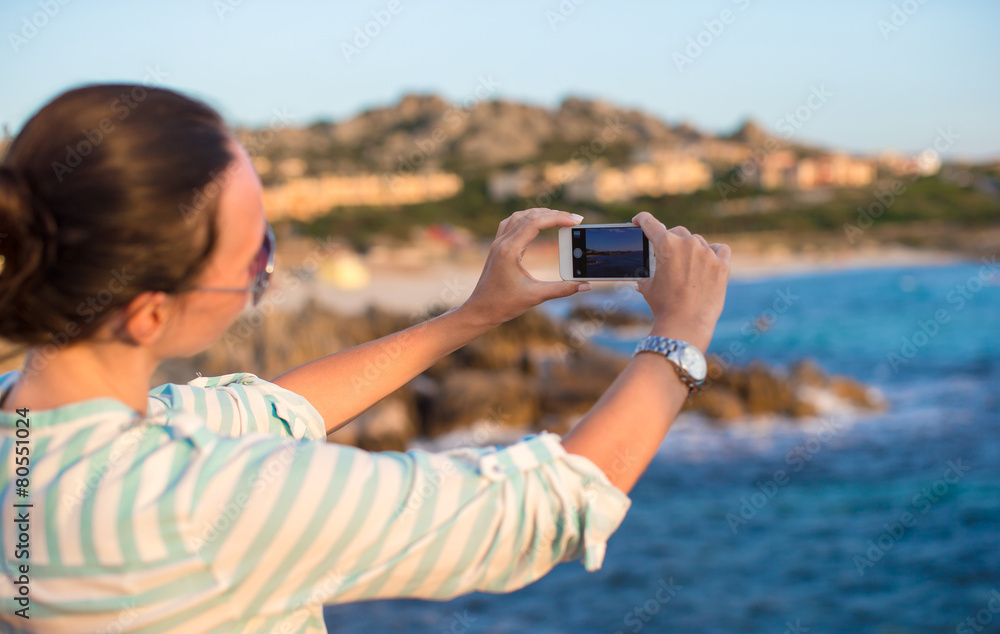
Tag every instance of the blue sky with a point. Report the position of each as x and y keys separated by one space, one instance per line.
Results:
x=614 y=240
x=928 y=66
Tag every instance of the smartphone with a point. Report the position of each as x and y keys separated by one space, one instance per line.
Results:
x=609 y=252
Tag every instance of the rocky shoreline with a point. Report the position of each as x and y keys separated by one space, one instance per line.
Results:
x=527 y=374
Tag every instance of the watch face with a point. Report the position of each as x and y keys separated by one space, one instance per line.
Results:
x=694 y=363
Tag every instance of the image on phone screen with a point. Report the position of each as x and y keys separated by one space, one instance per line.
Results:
x=610 y=252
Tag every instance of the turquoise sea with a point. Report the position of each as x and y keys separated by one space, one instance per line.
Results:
x=884 y=523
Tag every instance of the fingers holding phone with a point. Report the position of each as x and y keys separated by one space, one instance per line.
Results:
x=687 y=291
x=505 y=288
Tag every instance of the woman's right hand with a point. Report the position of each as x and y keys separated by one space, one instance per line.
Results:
x=688 y=287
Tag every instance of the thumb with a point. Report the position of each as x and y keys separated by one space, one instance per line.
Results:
x=552 y=290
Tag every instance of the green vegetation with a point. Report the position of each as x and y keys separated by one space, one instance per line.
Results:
x=924 y=200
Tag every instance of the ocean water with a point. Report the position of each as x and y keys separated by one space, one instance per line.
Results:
x=884 y=523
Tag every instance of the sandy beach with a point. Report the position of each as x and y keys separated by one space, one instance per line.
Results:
x=416 y=280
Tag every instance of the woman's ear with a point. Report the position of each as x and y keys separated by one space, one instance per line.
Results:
x=145 y=319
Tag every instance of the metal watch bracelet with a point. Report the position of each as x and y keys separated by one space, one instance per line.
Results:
x=667 y=347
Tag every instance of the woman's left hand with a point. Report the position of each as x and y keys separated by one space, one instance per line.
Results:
x=505 y=288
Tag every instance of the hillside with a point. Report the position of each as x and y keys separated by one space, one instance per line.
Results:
x=427 y=132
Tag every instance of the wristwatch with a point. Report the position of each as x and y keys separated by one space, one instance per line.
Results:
x=687 y=359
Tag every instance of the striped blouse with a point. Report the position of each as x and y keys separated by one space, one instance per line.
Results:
x=225 y=510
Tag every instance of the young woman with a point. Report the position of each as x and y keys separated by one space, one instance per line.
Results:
x=132 y=230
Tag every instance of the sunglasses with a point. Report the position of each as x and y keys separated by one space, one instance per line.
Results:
x=263 y=267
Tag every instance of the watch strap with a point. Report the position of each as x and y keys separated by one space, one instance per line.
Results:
x=669 y=348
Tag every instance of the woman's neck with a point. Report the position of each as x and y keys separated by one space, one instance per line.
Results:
x=80 y=372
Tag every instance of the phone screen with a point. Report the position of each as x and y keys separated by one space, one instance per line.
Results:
x=610 y=252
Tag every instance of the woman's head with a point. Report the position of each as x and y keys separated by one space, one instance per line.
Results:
x=111 y=197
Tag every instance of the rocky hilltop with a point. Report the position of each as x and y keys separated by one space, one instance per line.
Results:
x=423 y=131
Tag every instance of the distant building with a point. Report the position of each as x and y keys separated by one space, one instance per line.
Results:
x=715 y=151
x=782 y=170
x=926 y=164
x=667 y=174
x=508 y=184
x=659 y=174
x=305 y=198
x=531 y=180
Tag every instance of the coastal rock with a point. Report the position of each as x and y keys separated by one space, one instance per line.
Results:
x=532 y=372
x=765 y=392
x=857 y=393
x=510 y=344
x=573 y=384
x=720 y=402
x=808 y=372
x=386 y=426
x=805 y=390
x=583 y=312
x=506 y=397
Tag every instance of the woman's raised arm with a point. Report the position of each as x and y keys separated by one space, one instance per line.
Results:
x=623 y=430
x=346 y=383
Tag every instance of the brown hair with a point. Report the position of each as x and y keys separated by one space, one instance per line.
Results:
x=96 y=199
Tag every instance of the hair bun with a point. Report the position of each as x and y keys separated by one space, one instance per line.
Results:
x=27 y=233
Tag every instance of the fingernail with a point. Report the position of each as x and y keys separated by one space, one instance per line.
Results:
x=583 y=287
x=576 y=217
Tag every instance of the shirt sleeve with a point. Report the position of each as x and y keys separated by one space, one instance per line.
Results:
x=291 y=525
x=240 y=403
